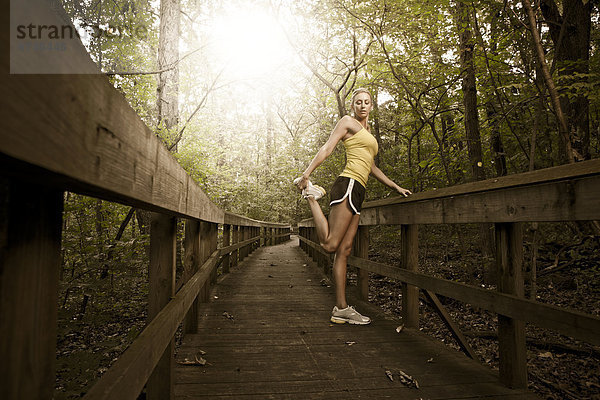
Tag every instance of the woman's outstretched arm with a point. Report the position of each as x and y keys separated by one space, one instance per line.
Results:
x=345 y=124
x=381 y=177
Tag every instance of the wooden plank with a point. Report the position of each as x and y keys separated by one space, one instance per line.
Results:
x=452 y=326
x=163 y=239
x=564 y=193
x=511 y=332
x=236 y=240
x=213 y=243
x=276 y=342
x=226 y=243
x=112 y=154
x=30 y=238
x=573 y=200
x=409 y=237
x=191 y=264
x=234 y=219
x=126 y=378
x=540 y=176
x=205 y=247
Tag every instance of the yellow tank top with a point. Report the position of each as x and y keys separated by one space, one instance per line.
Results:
x=361 y=149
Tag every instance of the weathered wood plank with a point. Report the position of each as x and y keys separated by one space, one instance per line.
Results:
x=511 y=332
x=163 y=239
x=30 y=239
x=112 y=154
x=126 y=378
x=409 y=236
x=266 y=332
x=565 y=193
x=540 y=176
x=452 y=326
x=577 y=199
x=226 y=243
x=234 y=219
x=191 y=264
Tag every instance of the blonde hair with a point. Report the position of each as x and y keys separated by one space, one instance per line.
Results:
x=358 y=91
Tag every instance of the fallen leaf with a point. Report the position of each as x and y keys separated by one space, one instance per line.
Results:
x=389 y=375
x=545 y=355
x=399 y=328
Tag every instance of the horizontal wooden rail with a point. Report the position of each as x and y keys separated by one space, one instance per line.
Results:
x=234 y=219
x=126 y=378
x=564 y=193
x=571 y=323
x=233 y=247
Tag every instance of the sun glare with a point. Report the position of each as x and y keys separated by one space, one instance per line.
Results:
x=249 y=43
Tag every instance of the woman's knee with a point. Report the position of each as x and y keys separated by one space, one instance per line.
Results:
x=344 y=250
x=330 y=246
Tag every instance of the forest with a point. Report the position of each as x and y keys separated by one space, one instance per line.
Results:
x=244 y=93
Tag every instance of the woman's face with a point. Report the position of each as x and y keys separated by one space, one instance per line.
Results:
x=361 y=105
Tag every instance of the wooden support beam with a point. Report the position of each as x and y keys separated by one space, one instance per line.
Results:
x=410 y=261
x=191 y=265
x=511 y=332
x=163 y=234
x=226 y=243
x=236 y=239
x=213 y=244
x=362 y=251
x=30 y=239
x=452 y=326
x=205 y=246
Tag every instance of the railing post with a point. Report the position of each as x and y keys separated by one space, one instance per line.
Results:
x=511 y=332
x=205 y=245
x=410 y=261
x=362 y=251
x=163 y=230
x=191 y=265
x=226 y=243
x=213 y=243
x=236 y=239
x=244 y=250
x=30 y=236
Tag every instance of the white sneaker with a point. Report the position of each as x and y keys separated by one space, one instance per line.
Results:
x=315 y=191
x=349 y=315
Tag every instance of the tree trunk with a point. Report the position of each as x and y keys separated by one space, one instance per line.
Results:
x=168 y=56
x=570 y=33
x=539 y=51
x=469 y=88
x=471 y=117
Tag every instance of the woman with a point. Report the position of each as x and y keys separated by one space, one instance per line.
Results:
x=347 y=194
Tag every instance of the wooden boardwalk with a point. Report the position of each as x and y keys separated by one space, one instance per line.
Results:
x=266 y=334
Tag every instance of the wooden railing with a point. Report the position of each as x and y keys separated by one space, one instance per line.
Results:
x=565 y=193
x=77 y=133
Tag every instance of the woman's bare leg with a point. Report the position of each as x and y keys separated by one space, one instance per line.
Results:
x=331 y=233
x=340 y=263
